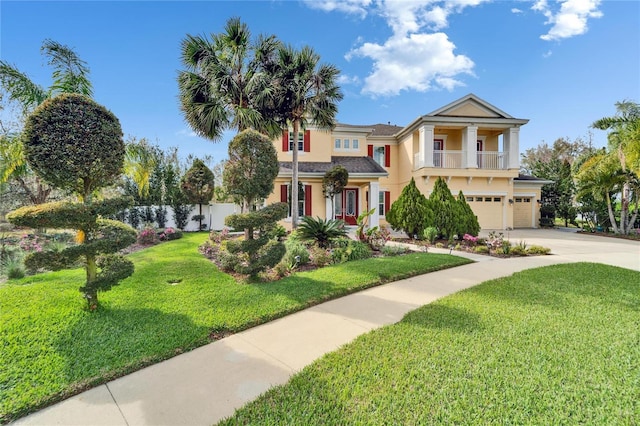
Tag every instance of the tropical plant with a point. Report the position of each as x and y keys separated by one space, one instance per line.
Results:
x=52 y=150
x=303 y=92
x=223 y=86
x=410 y=213
x=333 y=183
x=320 y=230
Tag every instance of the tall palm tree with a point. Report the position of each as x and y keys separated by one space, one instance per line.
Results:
x=140 y=161
x=70 y=75
x=624 y=144
x=223 y=86
x=305 y=92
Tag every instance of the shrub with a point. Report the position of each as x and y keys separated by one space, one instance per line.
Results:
x=410 y=213
x=430 y=234
x=538 y=250
x=439 y=245
x=355 y=250
x=161 y=216
x=481 y=249
x=14 y=268
x=278 y=232
x=394 y=250
x=170 y=234
x=495 y=239
x=517 y=251
x=320 y=230
x=148 y=236
x=470 y=240
x=506 y=246
x=319 y=256
x=181 y=214
x=134 y=217
x=147 y=215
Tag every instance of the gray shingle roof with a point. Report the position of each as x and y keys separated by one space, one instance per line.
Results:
x=354 y=165
x=378 y=129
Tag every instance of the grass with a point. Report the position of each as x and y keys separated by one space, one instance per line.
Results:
x=554 y=345
x=52 y=347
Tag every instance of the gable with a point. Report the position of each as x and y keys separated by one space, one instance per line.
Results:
x=470 y=106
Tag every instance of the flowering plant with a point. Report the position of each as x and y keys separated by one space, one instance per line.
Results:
x=470 y=239
x=30 y=243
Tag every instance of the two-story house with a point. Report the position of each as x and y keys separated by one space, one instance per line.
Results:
x=470 y=143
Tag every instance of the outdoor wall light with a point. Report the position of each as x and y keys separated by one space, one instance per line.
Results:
x=510 y=200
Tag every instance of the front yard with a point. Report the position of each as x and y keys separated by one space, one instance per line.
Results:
x=554 y=345
x=52 y=347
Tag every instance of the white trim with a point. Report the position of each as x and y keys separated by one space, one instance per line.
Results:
x=487 y=193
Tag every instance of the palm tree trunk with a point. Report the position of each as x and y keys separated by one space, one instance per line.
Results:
x=612 y=217
x=294 y=178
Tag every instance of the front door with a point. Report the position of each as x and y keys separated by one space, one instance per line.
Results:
x=438 y=148
x=479 y=148
x=346 y=206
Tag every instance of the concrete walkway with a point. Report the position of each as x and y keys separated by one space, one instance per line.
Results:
x=207 y=384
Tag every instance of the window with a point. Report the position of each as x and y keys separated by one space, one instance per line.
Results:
x=378 y=155
x=304 y=198
x=469 y=199
x=479 y=199
x=487 y=199
x=337 y=144
x=300 y=141
x=355 y=144
x=527 y=200
x=382 y=208
x=497 y=199
x=518 y=200
x=346 y=144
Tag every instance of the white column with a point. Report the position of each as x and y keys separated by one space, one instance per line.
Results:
x=327 y=208
x=511 y=138
x=426 y=145
x=374 y=197
x=470 y=147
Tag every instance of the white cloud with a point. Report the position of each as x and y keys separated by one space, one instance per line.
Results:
x=570 y=20
x=357 y=7
x=547 y=54
x=516 y=10
x=348 y=79
x=186 y=132
x=416 y=62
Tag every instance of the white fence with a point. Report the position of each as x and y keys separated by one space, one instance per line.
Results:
x=214 y=215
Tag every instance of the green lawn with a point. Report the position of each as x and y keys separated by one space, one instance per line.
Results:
x=555 y=345
x=51 y=346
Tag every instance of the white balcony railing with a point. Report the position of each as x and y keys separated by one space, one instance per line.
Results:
x=490 y=160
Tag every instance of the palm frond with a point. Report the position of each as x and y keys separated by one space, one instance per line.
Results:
x=71 y=74
x=20 y=88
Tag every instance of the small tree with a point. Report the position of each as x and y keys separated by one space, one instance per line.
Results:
x=333 y=183
x=468 y=221
x=197 y=185
x=410 y=212
x=249 y=174
x=444 y=207
x=75 y=144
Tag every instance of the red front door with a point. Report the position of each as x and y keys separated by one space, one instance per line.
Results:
x=346 y=206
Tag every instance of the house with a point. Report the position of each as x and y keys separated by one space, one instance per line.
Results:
x=470 y=143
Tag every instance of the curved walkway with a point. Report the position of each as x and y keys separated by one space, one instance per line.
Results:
x=207 y=384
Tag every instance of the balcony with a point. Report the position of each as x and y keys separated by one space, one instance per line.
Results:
x=488 y=160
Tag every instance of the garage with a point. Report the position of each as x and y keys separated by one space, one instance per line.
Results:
x=522 y=212
x=489 y=210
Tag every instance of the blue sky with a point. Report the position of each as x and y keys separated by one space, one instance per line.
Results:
x=561 y=64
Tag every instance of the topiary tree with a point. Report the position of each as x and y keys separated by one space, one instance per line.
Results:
x=197 y=185
x=249 y=175
x=410 y=212
x=468 y=221
x=333 y=183
x=75 y=144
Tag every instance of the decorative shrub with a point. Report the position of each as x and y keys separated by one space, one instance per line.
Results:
x=161 y=216
x=517 y=251
x=147 y=215
x=170 y=234
x=394 y=250
x=319 y=256
x=148 y=236
x=538 y=250
x=481 y=249
x=296 y=253
x=470 y=240
x=430 y=234
x=410 y=213
x=181 y=214
x=320 y=230
x=134 y=217
x=355 y=250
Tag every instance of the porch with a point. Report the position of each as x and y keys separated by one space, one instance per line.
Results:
x=449 y=159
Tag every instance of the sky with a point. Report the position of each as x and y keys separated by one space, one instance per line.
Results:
x=560 y=64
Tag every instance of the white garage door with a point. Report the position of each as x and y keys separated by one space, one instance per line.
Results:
x=488 y=209
x=522 y=212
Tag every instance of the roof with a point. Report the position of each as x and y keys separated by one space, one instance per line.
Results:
x=357 y=166
x=373 y=129
x=531 y=179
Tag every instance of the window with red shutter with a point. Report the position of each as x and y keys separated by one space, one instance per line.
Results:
x=306 y=147
x=284 y=193
x=285 y=141
x=387 y=155
x=370 y=150
x=307 y=200
x=387 y=201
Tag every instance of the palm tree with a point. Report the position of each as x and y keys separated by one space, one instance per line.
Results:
x=624 y=144
x=140 y=161
x=70 y=75
x=304 y=92
x=223 y=86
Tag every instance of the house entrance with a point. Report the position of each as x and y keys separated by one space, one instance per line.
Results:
x=346 y=205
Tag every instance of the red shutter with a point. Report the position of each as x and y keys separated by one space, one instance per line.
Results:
x=387 y=201
x=307 y=141
x=284 y=193
x=387 y=155
x=370 y=150
x=307 y=200
x=285 y=140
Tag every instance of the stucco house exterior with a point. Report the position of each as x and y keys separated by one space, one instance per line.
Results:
x=470 y=143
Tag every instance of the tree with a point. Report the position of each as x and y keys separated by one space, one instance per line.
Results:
x=251 y=169
x=223 y=86
x=197 y=184
x=249 y=175
x=410 y=212
x=303 y=91
x=468 y=221
x=75 y=144
x=624 y=145
x=333 y=183
x=140 y=162
x=444 y=208
x=70 y=75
